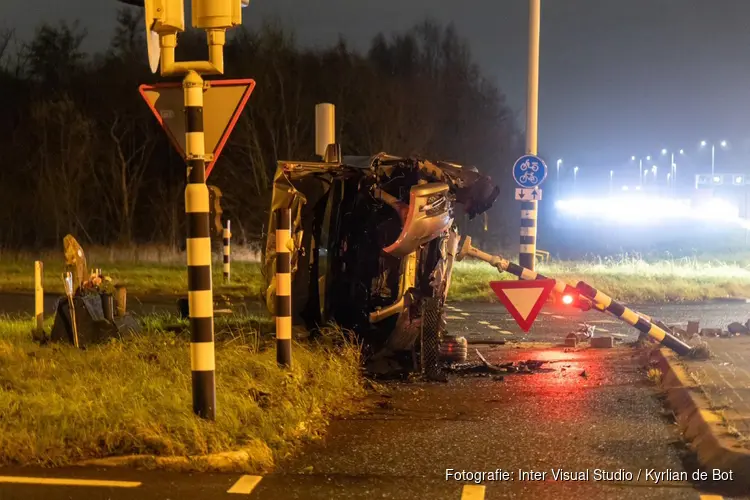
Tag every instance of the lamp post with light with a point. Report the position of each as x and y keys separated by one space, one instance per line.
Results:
x=611 y=176
x=557 y=179
x=640 y=167
x=723 y=144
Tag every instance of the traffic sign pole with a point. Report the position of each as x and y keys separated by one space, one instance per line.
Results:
x=527 y=254
x=200 y=293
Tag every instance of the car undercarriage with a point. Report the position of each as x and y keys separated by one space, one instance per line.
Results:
x=374 y=244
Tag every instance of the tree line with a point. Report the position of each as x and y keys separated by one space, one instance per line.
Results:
x=84 y=155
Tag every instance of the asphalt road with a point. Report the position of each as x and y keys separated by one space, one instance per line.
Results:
x=402 y=445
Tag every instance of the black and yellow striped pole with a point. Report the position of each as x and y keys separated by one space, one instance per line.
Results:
x=527 y=254
x=227 y=250
x=200 y=295
x=283 y=287
x=632 y=318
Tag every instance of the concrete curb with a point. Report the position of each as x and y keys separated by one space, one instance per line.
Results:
x=255 y=458
x=703 y=428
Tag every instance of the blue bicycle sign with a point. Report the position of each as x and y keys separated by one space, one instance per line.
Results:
x=529 y=171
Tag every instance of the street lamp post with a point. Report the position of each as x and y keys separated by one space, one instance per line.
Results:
x=575 y=176
x=611 y=175
x=557 y=180
x=723 y=144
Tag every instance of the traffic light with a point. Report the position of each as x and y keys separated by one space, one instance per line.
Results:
x=572 y=298
x=162 y=17
x=217 y=14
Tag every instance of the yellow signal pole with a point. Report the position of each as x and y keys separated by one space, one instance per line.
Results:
x=165 y=18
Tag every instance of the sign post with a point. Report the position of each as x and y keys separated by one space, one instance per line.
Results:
x=198 y=130
x=529 y=172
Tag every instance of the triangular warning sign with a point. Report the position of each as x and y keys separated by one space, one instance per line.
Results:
x=523 y=299
x=223 y=102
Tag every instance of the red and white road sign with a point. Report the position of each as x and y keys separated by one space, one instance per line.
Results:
x=223 y=102
x=523 y=299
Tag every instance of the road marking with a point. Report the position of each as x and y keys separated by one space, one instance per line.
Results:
x=483 y=322
x=472 y=492
x=245 y=485
x=602 y=330
x=546 y=313
x=495 y=327
x=712 y=497
x=558 y=317
x=464 y=314
x=608 y=321
x=57 y=481
x=454 y=317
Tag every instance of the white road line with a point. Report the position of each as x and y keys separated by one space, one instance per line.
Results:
x=494 y=327
x=58 y=481
x=483 y=322
x=454 y=317
x=473 y=492
x=558 y=317
x=546 y=313
x=245 y=485
x=464 y=314
x=600 y=329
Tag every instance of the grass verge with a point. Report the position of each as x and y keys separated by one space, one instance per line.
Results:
x=625 y=278
x=141 y=278
x=59 y=405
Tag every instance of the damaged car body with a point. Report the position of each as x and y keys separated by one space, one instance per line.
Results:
x=374 y=245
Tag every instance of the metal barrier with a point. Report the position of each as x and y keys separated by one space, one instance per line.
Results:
x=599 y=301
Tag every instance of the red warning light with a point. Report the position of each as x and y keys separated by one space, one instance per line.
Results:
x=567 y=299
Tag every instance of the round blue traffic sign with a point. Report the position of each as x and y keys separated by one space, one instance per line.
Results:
x=529 y=171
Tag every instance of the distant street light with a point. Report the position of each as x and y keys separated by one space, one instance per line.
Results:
x=673 y=165
x=611 y=175
x=723 y=144
x=559 y=162
x=575 y=176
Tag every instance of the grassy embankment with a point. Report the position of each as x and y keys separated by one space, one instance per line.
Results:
x=627 y=279
x=59 y=405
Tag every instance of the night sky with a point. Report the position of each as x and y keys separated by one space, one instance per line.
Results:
x=618 y=77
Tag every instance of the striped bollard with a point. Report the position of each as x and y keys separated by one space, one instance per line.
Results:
x=527 y=254
x=39 y=296
x=227 y=250
x=283 y=287
x=632 y=318
x=200 y=294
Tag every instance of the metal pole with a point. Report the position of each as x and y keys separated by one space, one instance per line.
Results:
x=39 y=296
x=200 y=294
x=527 y=254
x=283 y=307
x=713 y=157
x=227 y=250
x=640 y=172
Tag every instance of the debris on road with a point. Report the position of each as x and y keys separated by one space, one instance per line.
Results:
x=737 y=328
x=485 y=368
x=701 y=351
x=602 y=342
x=584 y=374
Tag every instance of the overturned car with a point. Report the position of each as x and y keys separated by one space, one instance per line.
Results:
x=374 y=243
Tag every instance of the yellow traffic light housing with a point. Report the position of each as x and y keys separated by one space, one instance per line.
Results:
x=165 y=16
x=217 y=14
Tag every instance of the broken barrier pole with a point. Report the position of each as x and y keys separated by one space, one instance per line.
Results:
x=599 y=300
x=634 y=319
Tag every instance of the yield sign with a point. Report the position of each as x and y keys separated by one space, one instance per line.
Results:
x=523 y=299
x=223 y=102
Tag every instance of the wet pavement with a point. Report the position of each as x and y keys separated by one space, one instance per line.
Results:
x=588 y=412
